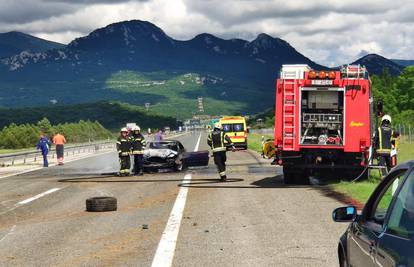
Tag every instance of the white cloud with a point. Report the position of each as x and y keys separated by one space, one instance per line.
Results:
x=329 y=32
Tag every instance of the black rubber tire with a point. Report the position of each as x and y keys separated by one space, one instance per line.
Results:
x=342 y=260
x=101 y=204
x=180 y=166
x=302 y=178
x=288 y=176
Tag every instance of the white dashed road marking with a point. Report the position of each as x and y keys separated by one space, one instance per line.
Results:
x=166 y=248
x=39 y=196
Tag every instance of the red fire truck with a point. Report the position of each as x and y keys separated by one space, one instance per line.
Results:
x=323 y=122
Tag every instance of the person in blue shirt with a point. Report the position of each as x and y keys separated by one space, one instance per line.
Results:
x=43 y=145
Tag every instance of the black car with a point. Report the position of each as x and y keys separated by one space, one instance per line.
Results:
x=171 y=154
x=383 y=235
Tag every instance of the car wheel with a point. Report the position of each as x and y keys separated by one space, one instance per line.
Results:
x=100 y=204
x=179 y=167
x=342 y=259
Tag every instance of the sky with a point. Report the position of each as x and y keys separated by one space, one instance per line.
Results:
x=330 y=32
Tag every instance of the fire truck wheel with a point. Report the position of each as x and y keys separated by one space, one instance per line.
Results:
x=288 y=176
x=100 y=204
x=302 y=178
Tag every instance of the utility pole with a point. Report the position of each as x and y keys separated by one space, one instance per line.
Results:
x=200 y=104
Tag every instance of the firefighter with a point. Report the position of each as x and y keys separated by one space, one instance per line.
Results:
x=217 y=140
x=123 y=145
x=384 y=142
x=137 y=144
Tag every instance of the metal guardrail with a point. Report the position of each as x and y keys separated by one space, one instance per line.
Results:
x=35 y=156
x=263 y=131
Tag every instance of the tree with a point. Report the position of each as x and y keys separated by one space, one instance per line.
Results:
x=45 y=127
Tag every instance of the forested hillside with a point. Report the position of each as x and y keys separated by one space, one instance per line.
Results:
x=397 y=94
x=27 y=135
x=112 y=115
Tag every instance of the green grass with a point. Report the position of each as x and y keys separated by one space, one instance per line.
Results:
x=9 y=151
x=254 y=141
x=361 y=190
x=176 y=94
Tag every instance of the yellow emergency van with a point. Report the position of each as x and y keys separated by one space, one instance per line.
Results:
x=235 y=127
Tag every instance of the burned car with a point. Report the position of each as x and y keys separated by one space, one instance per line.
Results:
x=171 y=154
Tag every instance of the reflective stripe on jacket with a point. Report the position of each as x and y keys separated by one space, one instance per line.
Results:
x=385 y=135
x=217 y=140
x=138 y=143
x=123 y=145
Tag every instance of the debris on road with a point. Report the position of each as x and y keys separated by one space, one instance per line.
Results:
x=101 y=204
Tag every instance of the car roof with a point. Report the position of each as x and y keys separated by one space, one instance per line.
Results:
x=165 y=141
x=404 y=166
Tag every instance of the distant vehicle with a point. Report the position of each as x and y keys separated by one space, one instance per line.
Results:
x=235 y=127
x=323 y=121
x=383 y=235
x=171 y=154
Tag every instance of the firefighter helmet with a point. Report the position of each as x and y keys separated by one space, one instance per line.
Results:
x=386 y=118
x=124 y=130
x=136 y=128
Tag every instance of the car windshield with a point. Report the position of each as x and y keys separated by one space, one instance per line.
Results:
x=233 y=127
x=163 y=145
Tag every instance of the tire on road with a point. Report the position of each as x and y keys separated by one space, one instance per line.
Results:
x=101 y=204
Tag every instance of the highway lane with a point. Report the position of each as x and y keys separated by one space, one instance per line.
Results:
x=253 y=220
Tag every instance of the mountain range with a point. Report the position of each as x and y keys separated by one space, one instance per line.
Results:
x=136 y=62
x=12 y=43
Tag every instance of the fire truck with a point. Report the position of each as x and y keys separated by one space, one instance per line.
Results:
x=323 y=122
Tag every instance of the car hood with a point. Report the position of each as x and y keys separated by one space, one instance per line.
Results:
x=162 y=153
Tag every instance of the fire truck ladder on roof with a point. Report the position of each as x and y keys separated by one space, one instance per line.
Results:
x=289 y=114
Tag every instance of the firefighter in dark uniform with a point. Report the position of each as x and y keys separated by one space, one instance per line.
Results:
x=218 y=140
x=123 y=146
x=138 y=145
x=384 y=141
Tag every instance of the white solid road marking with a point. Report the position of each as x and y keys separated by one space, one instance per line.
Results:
x=166 y=248
x=39 y=196
x=9 y=233
x=198 y=143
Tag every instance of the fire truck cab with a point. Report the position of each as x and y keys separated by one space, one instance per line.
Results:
x=323 y=121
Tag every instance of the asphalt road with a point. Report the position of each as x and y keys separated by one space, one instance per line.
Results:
x=252 y=220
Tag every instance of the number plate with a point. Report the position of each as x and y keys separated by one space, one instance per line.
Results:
x=322 y=82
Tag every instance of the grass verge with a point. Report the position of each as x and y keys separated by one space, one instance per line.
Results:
x=254 y=141
x=361 y=190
